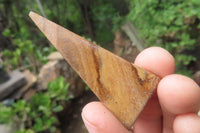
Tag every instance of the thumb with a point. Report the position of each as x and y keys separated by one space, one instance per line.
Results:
x=98 y=119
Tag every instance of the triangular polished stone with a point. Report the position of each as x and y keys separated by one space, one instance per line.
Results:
x=123 y=87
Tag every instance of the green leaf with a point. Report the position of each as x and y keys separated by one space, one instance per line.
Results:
x=6 y=114
x=7 y=53
x=58 y=108
x=41 y=99
x=58 y=88
x=20 y=105
x=6 y=32
x=25 y=131
x=50 y=121
x=38 y=126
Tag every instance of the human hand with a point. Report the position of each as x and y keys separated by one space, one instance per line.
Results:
x=172 y=108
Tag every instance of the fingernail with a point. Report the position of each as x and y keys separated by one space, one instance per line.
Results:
x=90 y=127
x=91 y=115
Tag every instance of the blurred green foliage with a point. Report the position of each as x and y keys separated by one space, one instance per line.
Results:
x=173 y=25
x=25 y=53
x=92 y=19
x=37 y=115
x=105 y=19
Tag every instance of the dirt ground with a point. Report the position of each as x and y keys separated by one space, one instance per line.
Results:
x=73 y=122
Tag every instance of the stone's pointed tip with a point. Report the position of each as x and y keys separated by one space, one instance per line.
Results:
x=31 y=13
x=47 y=27
x=33 y=16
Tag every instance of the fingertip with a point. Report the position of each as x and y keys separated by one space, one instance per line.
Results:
x=179 y=94
x=88 y=114
x=187 y=123
x=98 y=119
x=156 y=60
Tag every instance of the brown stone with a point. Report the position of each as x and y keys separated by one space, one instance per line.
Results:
x=55 y=68
x=123 y=87
x=47 y=74
x=124 y=48
x=55 y=56
x=30 y=93
x=119 y=43
x=196 y=77
x=31 y=80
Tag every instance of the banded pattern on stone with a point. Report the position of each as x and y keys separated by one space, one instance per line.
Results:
x=123 y=87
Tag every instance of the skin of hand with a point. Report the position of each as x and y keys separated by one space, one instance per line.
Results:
x=172 y=109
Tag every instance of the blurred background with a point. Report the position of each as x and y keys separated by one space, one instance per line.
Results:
x=40 y=92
